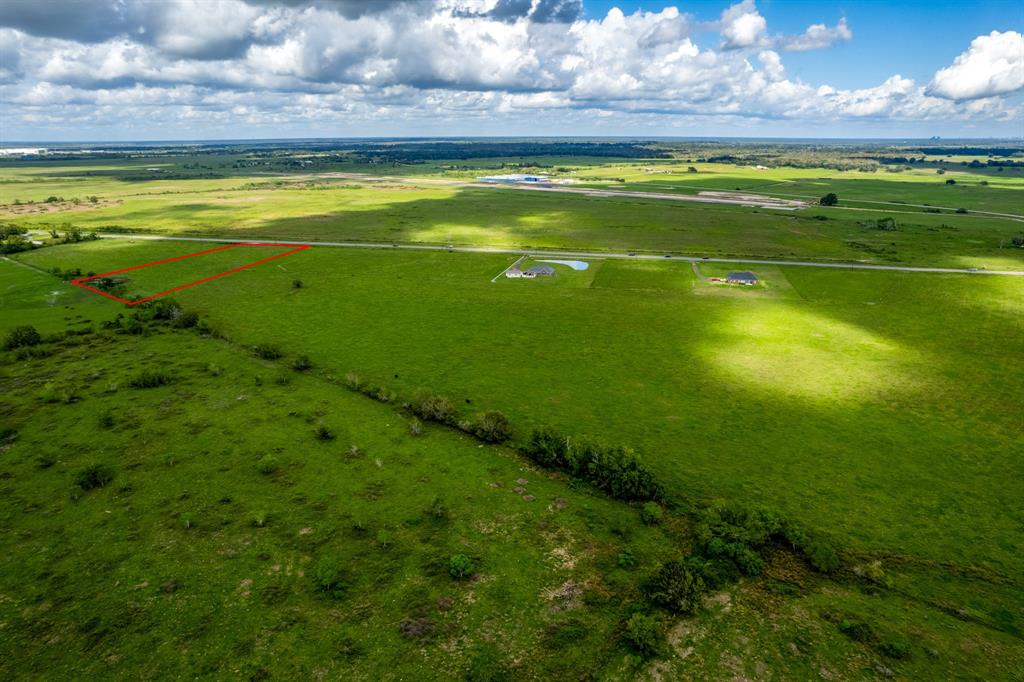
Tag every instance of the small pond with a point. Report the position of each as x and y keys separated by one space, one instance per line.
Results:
x=574 y=264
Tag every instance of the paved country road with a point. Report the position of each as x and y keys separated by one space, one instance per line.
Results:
x=573 y=254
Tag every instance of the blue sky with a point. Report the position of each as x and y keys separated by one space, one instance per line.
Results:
x=190 y=69
x=911 y=37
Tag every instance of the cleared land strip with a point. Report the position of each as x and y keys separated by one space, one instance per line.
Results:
x=734 y=198
x=581 y=254
x=752 y=190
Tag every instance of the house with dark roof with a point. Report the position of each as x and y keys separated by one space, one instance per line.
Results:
x=747 y=278
x=539 y=271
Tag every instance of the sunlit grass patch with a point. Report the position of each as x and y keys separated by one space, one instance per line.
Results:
x=806 y=353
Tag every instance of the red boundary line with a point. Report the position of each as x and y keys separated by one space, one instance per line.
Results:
x=79 y=282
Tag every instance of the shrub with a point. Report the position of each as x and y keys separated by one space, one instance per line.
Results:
x=460 y=566
x=715 y=573
x=961 y=210
x=895 y=649
x=951 y=181
x=267 y=465
x=626 y=559
x=829 y=199
x=1019 y=241
x=548 y=448
x=822 y=555
x=302 y=363
x=857 y=630
x=643 y=634
x=676 y=588
x=650 y=513
x=435 y=408
x=614 y=469
x=149 y=379
x=492 y=427
x=617 y=471
x=323 y=433
x=21 y=337
x=884 y=224
x=738 y=534
x=94 y=476
x=297 y=284
x=329 y=578
x=187 y=320
x=165 y=309
x=267 y=351
x=437 y=510
x=415 y=427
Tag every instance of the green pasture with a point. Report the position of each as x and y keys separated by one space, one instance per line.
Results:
x=222 y=491
x=828 y=393
x=200 y=556
x=326 y=207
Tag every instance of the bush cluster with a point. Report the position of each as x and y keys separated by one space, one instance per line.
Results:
x=22 y=337
x=434 y=408
x=329 y=578
x=740 y=534
x=149 y=379
x=643 y=634
x=375 y=391
x=676 y=587
x=266 y=351
x=650 y=513
x=94 y=476
x=614 y=469
x=491 y=427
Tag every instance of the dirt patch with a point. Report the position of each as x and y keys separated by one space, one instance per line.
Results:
x=752 y=199
x=55 y=207
x=566 y=596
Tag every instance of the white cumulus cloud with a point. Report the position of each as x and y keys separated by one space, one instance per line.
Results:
x=743 y=26
x=992 y=65
x=818 y=36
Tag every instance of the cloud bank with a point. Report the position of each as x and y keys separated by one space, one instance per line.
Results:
x=407 y=63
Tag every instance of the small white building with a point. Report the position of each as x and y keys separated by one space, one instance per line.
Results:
x=515 y=177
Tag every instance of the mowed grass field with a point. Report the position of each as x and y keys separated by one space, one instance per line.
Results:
x=986 y=190
x=204 y=554
x=442 y=211
x=877 y=407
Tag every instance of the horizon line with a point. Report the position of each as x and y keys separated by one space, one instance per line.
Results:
x=221 y=140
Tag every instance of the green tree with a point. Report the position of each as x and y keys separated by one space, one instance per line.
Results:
x=676 y=588
x=460 y=566
x=829 y=199
x=644 y=635
x=22 y=336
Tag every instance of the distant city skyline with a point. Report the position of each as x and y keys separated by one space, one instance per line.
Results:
x=130 y=70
